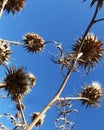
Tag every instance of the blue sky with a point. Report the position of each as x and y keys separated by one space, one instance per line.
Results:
x=62 y=21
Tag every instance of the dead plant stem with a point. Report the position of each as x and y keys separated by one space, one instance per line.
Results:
x=3 y=6
x=22 y=113
x=56 y=97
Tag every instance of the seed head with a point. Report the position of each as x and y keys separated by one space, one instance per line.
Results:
x=4 y=52
x=35 y=115
x=93 y=93
x=14 y=6
x=17 y=83
x=91 y=49
x=33 y=42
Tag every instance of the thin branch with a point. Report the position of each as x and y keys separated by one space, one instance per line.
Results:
x=99 y=20
x=92 y=22
x=22 y=113
x=11 y=117
x=11 y=42
x=3 y=127
x=3 y=6
x=58 y=45
x=73 y=98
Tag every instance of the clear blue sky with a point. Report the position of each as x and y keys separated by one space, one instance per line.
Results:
x=63 y=21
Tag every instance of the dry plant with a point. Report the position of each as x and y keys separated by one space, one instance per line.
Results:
x=86 y=52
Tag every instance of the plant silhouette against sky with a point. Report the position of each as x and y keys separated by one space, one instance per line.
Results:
x=86 y=53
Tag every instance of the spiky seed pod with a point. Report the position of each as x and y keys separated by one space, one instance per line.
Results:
x=18 y=106
x=14 y=6
x=33 y=42
x=91 y=49
x=40 y=122
x=100 y=3
x=17 y=83
x=93 y=93
x=4 y=52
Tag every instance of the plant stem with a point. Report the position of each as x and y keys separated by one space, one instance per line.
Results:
x=3 y=6
x=11 y=42
x=58 y=45
x=99 y=20
x=22 y=113
x=73 y=98
x=92 y=22
x=56 y=97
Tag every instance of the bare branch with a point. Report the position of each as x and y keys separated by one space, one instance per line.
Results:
x=99 y=20
x=3 y=6
x=73 y=98
x=22 y=113
x=58 y=45
x=90 y=25
x=11 y=42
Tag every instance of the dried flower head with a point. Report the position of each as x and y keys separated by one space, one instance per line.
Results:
x=17 y=83
x=4 y=52
x=100 y=3
x=35 y=115
x=91 y=49
x=33 y=42
x=14 y=6
x=93 y=93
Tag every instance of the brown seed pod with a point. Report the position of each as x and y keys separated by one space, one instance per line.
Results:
x=33 y=42
x=91 y=49
x=14 y=6
x=93 y=93
x=17 y=83
x=4 y=52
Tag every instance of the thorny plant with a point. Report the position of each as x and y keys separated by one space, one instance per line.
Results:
x=64 y=109
x=86 y=52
